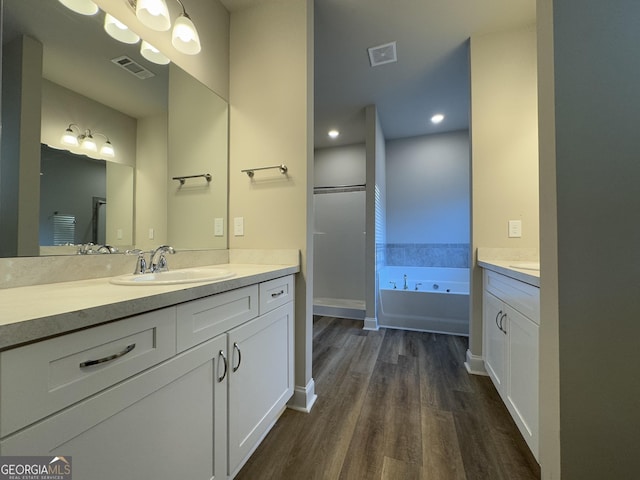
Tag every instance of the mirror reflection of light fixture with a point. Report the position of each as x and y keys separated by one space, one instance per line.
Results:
x=118 y=30
x=152 y=54
x=155 y=15
x=83 y=7
x=86 y=141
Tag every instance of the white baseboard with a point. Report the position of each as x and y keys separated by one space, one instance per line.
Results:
x=303 y=397
x=475 y=364
x=371 y=323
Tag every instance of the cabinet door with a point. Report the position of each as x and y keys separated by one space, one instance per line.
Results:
x=522 y=396
x=260 y=381
x=495 y=343
x=165 y=423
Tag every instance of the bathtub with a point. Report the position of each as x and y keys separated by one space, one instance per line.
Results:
x=435 y=299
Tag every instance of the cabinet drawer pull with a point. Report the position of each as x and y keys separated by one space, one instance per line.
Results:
x=237 y=348
x=224 y=361
x=276 y=295
x=89 y=363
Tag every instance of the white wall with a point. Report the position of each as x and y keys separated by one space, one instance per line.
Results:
x=271 y=122
x=504 y=139
x=590 y=258
x=428 y=189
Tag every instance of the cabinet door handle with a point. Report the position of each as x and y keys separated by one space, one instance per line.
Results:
x=237 y=348
x=110 y=358
x=276 y=295
x=501 y=327
x=224 y=361
x=497 y=315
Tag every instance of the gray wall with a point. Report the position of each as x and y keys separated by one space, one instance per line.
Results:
x=591 y=299
x=428 y=201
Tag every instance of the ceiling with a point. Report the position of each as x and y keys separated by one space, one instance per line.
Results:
x=430 y=76
x=77 y=55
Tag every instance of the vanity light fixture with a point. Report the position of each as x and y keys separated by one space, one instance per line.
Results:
x=185 y=37
x=86 y=141
x=152 y=54
x=155 y=15
x=83 y=7
x=437 y=118
x=118 y=30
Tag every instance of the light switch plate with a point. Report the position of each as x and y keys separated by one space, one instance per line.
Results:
x=515 y=228
x=218 y=227
x=152 y=234
x=119 y=234
x=238 y=226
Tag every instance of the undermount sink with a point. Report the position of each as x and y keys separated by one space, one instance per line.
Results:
x=526 y=265
x=174 y=277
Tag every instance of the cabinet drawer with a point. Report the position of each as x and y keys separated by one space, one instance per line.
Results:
x=208 y=317
x=44 y=377
x=275 y=293
x=523 y=297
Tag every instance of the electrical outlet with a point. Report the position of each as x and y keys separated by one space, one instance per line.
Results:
x=152 y=234
x=515 y=228
x=119 y=234
x=238 y=226
x=218 y=227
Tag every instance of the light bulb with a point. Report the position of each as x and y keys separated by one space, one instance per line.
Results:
x=107 y=149
x=118 y=30
x=83 y=7
x=154 y=14
x=185 y=36
x=152 y=54
x=437 y=118
x=334 y=133
x=69 y=138
x=88 y=143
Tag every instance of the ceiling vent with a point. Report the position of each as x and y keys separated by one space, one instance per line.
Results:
x=382 y=54
x=133 y=67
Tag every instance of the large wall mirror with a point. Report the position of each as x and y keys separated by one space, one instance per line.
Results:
x=60 y=70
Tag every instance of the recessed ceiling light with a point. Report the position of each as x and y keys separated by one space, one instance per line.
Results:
x=437 y=118
x=334 y=133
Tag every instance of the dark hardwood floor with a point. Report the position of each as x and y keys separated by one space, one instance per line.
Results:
x=393 y=405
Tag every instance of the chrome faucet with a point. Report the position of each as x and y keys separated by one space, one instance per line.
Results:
x=160 y=264
x=406 y=287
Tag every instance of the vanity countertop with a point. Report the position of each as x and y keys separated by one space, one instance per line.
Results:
x=510 y=269
x=36 y=312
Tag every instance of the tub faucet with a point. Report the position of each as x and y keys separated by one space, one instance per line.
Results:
x=417 y=285
x=406 y=287
x=394 y=285
x=160 y=265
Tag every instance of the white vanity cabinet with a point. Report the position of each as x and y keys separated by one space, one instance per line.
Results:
x=511 y=318
x=203 y=383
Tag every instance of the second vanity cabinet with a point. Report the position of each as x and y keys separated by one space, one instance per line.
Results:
x=511 y=318
x=192 y=398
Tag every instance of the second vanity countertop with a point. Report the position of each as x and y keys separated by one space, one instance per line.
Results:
x=510 y=269
x=36 y=312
